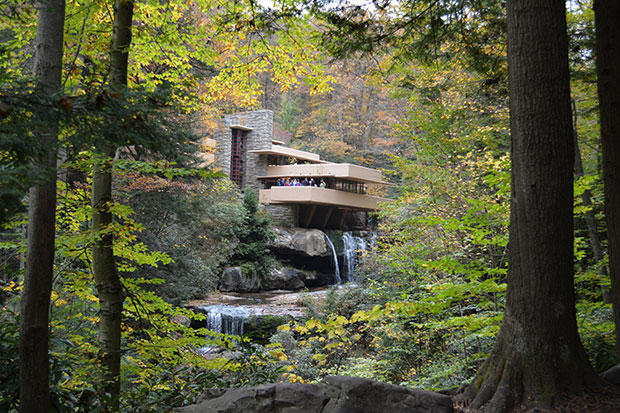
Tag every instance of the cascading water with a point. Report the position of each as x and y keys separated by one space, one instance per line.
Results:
x=353 y=246
x=227 y=319
x=337 y=279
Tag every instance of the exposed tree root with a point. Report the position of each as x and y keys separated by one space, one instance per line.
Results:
x=520 y=373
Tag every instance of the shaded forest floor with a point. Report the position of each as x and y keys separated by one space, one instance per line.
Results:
x=602 y=400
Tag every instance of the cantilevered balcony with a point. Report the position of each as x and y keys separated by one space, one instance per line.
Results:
x=326 y=170
x=310 y=195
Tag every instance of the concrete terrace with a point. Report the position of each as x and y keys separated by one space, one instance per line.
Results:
x=247 y=152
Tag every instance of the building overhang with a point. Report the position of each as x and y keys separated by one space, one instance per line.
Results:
x=326 y=170
x=309 y=195
x=278 y=150
x=241 y=127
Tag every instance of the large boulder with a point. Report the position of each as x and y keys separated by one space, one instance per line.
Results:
x=312 y=278
x=284 y=279
x=233 y=279
x=307 y=251
x=612 y=375
x=334 y=394
x=309 y=242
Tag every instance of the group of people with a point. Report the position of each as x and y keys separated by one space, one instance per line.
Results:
x=297 y=182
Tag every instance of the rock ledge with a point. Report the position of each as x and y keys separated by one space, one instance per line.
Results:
x=335 y=394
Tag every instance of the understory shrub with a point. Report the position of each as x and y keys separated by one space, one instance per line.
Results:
x=198 y=224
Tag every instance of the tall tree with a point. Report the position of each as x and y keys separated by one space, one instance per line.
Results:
x=109 y=287
x=607 y=13
x=35 y=298
x=538 y=354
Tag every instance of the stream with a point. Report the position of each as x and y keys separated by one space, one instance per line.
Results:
x=239 y=314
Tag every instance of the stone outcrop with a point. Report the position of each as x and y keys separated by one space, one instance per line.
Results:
x=307 y=251
x=612 y=375
x=281 y=278
x=284 y=279
x=233 y=279
x=309 y=242
x=305 y=260
x=334 y=394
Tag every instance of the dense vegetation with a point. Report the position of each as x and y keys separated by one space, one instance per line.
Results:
x=419 y=89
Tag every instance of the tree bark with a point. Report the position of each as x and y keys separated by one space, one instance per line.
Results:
x=538 y=354
x=35 y=298
x=121 y=40
x=109 y=287
x=606 y=15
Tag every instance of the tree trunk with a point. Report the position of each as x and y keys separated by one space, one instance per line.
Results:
x=109 y=286
x=607 y=13
x=121 y=40
x=370 y=117
x=538 y=354
x=35 y=298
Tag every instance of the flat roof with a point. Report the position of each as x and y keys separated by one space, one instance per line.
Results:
x=242 y=127
x=279 y=150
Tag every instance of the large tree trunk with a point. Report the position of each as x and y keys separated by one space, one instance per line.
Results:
x=607 y=15
x=35 y=298
x=538 y=354
x=109 y=286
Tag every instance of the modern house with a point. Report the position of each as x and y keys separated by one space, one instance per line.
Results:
x=248 y=154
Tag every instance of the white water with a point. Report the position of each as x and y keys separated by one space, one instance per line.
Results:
x=353 y=246
x=226 y=319
x=337 y=278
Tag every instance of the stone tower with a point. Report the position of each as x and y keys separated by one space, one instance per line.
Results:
x=239 y=134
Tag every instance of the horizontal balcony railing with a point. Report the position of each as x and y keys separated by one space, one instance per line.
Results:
x=310 y=195
x=327 y=170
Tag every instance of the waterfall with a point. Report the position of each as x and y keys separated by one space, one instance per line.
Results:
x=337 y=278
x=226 y=319
x=352 y=247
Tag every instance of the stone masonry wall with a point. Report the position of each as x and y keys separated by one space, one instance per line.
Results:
x=356 y=220
x=283 y=215
x=223 y=136
x=261 y=123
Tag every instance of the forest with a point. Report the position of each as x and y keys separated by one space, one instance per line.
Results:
x=494 y=277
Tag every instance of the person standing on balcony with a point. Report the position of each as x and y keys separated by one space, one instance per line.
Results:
x=323 y=184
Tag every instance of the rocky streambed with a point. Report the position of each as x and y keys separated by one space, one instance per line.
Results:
x=309 y=261
x=252 y=313
x=307 y=258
